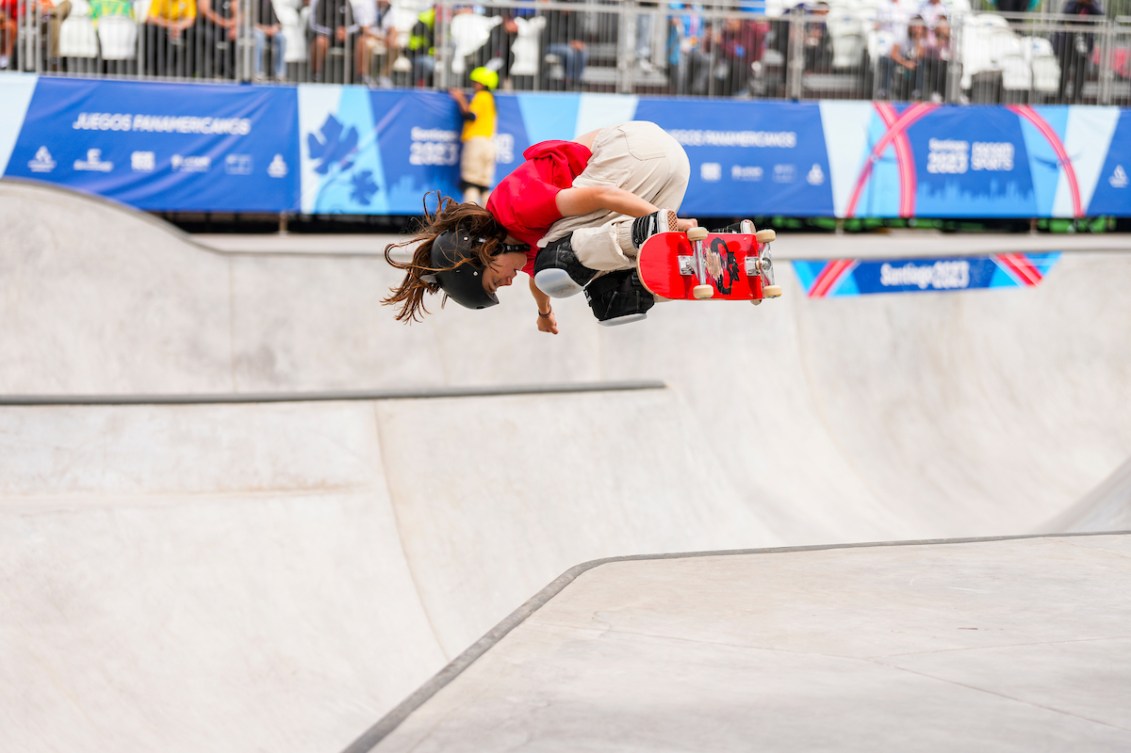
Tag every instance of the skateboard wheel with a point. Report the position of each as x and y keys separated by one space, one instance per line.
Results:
x=697 y=234
x=703 y=292
x=771 y=291
x=765 y=236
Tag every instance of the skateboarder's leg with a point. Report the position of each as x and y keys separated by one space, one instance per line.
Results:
x=619 y=298
x=638 y=157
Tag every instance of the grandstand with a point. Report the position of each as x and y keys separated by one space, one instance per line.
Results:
x=997 y=57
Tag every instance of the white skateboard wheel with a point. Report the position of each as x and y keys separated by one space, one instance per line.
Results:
x=702 y=292
x=771 y=291
x=697 y=234
x=765 y=236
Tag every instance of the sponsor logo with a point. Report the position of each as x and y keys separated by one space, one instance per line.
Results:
x=143 y=162
x=237 y=164
x=785 y=173
x=747 y=172
x=940 y=275
x=43 y=162
x=816 y=176
x=191 y=164
x=93 y=162
x=1118 y=177
x=711 y=171
x=278 y=167
x=992 y=156
x=948 y=156
x=504 y=148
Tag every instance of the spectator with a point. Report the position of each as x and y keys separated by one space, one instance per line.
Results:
x=268 y=32
x=421 y=48
x=8 y=25
x=890 y=30
x=109 y=39
x=218 y=22
x=103 y=8
x=563 y=40
x=736 y=47
x=815 y=43
x=688 y=65
x=931 y=11
x=900 y=68
x=477 y=153
x=934 y=62
x=1013 y=6
x=169 y=34
x=1073 y=46
x=498 y=52
x=377 y=40
x=51 y=17
x=331 y=25
x=645 y=13
x=818 y=44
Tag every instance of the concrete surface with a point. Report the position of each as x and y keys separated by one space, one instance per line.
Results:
x=279 y=575
x=1009 y=645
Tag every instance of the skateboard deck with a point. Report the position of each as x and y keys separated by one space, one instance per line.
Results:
x=698 y=265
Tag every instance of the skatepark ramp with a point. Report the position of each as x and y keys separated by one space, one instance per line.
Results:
x=245 y=509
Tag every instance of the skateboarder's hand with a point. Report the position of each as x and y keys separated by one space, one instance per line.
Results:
x=548 y=323
x=685 y=224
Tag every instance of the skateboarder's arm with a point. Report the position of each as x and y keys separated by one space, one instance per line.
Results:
x=547 y=322
x=580 y=200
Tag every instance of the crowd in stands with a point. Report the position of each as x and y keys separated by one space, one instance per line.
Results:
x=938 y=50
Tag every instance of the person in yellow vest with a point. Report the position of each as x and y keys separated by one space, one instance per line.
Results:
x=477 y=155
x=421 y=47
x=170 y=39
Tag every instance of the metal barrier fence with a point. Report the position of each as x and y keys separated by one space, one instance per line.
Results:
x=846 y=49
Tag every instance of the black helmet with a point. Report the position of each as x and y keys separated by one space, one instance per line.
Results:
x=463 y=283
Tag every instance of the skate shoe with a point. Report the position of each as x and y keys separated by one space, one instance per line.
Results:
x=619 y=298
x=558 y=273
x=660 y=221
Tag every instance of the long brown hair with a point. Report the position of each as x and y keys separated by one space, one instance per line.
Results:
x=449 y=215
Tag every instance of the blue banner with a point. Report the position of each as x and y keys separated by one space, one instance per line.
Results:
x=746 y=155
x=352 y=150
x=163 y=146
x=852 y=277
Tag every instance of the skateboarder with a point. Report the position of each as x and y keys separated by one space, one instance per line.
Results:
x=572 y=217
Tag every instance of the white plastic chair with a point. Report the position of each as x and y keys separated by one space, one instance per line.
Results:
x=975 y=51
x=848 y=36
x=77 y=38
x=117 y=36
x=292 y=24
x=404 y=18
x=469 y=32
x=527 y=46
x=1043 y=63
x=1006 y=52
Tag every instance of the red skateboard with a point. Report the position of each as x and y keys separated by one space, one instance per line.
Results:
x=700 y=265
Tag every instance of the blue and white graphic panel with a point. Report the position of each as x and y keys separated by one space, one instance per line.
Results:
x=187 y=147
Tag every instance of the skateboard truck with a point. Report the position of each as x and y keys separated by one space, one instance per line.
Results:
x=699 y=262
x=762 y=265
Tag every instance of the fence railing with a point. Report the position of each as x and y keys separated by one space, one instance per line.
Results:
x=851 y=50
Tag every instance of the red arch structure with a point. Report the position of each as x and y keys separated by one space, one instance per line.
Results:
x=896 y=136
x=1042 y=126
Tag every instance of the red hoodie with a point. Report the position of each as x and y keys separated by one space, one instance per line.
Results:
x=524 y=201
